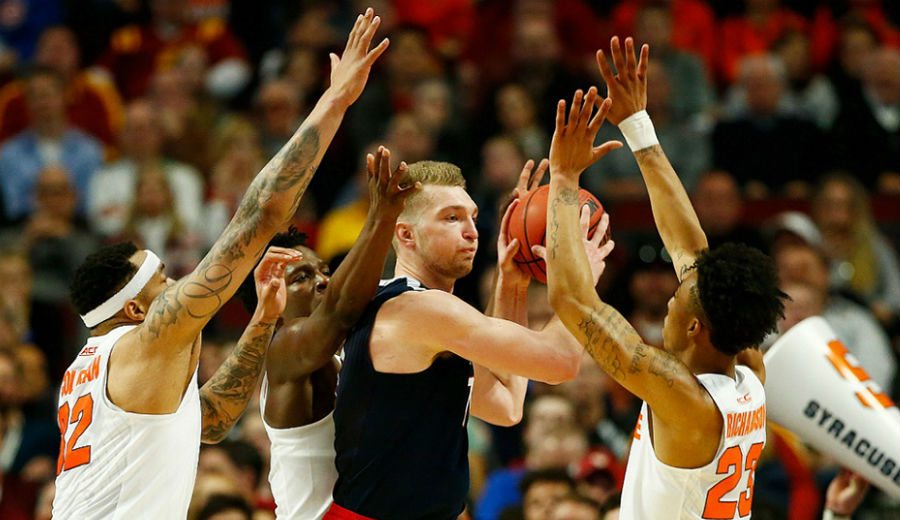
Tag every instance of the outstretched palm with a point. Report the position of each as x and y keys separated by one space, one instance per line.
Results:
x=572 y=149
x=350 y=71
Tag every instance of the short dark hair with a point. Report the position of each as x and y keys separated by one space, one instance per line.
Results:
x=546 y=475
x=739 y=298
x=219 y=503
x=292 y=238
x=102 y=274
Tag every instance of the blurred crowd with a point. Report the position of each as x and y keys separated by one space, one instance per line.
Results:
x=145 y=120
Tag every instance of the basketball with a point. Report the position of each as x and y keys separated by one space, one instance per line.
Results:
x=528 y=224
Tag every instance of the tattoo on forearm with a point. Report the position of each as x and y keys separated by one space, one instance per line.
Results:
x=652 y=151
x=224 y=397
x=640 y=352
x=567 y=197
x=664 y=365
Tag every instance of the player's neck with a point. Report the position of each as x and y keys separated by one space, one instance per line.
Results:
x=706 y=360
x=107 y=326
x=425 y=276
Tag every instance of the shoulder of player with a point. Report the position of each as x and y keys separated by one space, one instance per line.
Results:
x=423 y=315
x=288 y=334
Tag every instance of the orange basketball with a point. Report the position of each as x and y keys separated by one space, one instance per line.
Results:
x=528 y=223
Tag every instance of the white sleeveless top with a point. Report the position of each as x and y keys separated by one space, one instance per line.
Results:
x=302 y=472
x=723 y=489
x=116 y=464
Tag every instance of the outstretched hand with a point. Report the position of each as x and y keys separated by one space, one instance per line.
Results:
x=628 y=87
x=596 y=248
x=572 y=149
x=271 y=291
x=387 y=196
x=350 y=71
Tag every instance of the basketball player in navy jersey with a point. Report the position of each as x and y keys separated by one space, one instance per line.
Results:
x=702 y=425
x=420 y=360
x=299 y=385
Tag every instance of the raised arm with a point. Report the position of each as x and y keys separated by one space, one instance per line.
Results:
x=650 y=373
x=224 y=397
x=306 y=344
x=672 y=210
x=498 y=397
x=177 y=315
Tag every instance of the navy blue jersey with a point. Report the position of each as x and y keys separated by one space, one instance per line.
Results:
x=401 y=438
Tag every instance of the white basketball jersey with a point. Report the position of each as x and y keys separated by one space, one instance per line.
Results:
x=721 y=490
x=302 y=472
x=120 y=465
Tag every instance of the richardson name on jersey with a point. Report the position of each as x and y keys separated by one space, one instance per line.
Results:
x=859 y=445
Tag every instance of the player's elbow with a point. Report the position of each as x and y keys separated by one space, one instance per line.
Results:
x=564 y=369
x=510 y=418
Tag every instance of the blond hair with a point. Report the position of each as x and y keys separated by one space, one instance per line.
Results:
x=430 y=173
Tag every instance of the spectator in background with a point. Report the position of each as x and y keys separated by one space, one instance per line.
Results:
x=809 y=95
x=185 y=110
x=688 y=78
x=225 y=507
x=448 y=22
x=517 y=114
x=825 y=29
x=113 y=189
x=610 y=509
x=599 y=476
x=687 y=146
x=501 y=163
x=803 y=272
x=137 y=52
x=575 y=507
x=695 y=21
x=411 y=61
x=23 y=22
x=856 y=43
x=543 y=490
x=49 y=141
x=91 y=101
x=861 y=259
x=155 y=224
x=754 y=32
x=652 y=285
x=281 y=111
x=434 y=110
x=768 y=150
x=719 y=205
x=866 y=137
x=237 y=157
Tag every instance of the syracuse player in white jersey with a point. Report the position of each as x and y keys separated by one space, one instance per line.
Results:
x=702 y=425
x=139 y=404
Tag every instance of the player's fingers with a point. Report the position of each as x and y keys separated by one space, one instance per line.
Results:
x=560 y=116
x=335 y=61
x=539 y=174
x=355 y=32
x=597 y=121
x=615 y=49
x=286 y=252
x=584 y=219
x=575 y=109
x=408 y=189
x=602 y=228
x=375 y=53
x=522 y=185
x=504 y=222
x=600 y=151
x=366 y=40
x=630 y=63
x=540 y=252
x=606 y=249
x=586 y=109
x=605 y=69
x=398 y=176
x=642 y=64
x=512 y=248
x=384 y=170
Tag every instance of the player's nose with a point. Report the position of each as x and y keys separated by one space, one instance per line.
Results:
x=322 y=283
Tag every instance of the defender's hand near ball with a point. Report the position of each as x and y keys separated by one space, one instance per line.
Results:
x=572 y=149
x=595 y=246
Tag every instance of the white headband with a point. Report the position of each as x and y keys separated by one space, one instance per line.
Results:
x=114 y=304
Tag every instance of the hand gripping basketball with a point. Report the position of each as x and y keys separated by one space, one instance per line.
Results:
x=528 y=224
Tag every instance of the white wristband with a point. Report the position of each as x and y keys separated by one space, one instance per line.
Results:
x=638 y=131
x=831 y=515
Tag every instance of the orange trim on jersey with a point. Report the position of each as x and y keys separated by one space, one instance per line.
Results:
x=637 y=427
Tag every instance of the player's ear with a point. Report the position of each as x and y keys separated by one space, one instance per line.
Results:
x=134 y=310
x=403 y=232
x=695 y=327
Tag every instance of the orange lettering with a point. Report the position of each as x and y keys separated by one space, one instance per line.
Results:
x=871 y=395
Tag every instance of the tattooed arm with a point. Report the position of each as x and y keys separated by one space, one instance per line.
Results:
x=224 y=397
x=675 y=218
x=650 y=373
x=176 y=317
